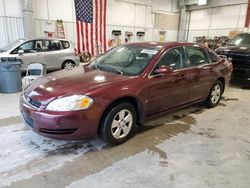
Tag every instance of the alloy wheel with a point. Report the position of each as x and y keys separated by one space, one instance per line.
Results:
x=216 y=93
x=122 y=124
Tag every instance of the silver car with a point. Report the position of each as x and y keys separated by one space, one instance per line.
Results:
x=55 y=53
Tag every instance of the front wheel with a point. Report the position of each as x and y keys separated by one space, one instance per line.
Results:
x=119 y=124
x=215 y=94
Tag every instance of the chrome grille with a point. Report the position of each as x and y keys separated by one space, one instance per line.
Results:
x=241 y=64
x=239 y=61
x=34 y=103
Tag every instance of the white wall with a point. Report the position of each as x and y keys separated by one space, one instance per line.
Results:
x=138 y=15
x=218 y=21
x=124 y=15
x=11 y=8
x=51 y=10
x=131 y=17
x=11 y=23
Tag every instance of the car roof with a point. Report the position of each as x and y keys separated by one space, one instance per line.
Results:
x=160 y=45
x=43 y=38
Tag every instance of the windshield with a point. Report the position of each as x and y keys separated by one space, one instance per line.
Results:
x=11 y=45
x=240 y=40
x=127 y=60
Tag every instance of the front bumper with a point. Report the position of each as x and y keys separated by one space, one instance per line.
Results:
x=61 y=125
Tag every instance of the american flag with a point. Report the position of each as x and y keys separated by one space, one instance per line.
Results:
x=91 y=26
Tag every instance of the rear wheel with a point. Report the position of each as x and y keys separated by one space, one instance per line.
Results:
x=215 y=94
x=119 y=124
x=68 y=64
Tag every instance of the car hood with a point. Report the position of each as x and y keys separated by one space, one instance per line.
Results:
x=80 y=80
x=234 y=50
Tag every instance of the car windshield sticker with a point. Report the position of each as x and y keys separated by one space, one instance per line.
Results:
x=149 y=51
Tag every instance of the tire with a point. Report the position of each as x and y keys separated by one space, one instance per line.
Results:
x=68 y=64
x=114 y=128
x=214 y=95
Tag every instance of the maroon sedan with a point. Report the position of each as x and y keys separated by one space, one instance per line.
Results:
x=122 y=88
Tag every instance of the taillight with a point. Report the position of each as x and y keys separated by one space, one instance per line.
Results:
x=231 y=66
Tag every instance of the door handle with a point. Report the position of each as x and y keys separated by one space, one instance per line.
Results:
x=210 y=68
x=181 y=75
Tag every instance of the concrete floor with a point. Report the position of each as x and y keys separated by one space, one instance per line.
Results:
x=195 y=147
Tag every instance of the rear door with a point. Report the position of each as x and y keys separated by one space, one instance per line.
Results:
x=201 y=73
x=53 y=50
x=33 y=52
x=170 y=90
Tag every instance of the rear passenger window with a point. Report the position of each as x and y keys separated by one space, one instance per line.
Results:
x=213 y=58
x=197 y=56
x=52 y=45
x=65 y=44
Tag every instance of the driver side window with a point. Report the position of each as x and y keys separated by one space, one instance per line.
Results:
x=30 y=47
x=174 y=58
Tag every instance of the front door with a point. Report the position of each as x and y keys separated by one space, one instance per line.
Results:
x=33 y=53
x=168 y=91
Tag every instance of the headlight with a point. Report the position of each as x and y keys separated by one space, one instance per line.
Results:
x=71 y=103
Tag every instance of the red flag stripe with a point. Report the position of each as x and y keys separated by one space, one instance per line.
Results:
x=101 y=20
x=96 y=25
x=78 y=37
x=104 y=26
x=86 y=36
x=91 y=39
x=82 y=37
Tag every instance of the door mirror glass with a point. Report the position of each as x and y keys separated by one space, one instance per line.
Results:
x=164 y=69
x=20 y=52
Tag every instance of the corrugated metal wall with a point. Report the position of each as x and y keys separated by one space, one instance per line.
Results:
x=11 y=29
x=217 y=21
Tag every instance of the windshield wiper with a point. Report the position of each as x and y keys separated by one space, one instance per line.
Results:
x=114 y=68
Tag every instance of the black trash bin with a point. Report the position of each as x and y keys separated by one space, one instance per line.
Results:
x=10 y=77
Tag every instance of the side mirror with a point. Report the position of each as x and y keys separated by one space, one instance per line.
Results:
x=20 y=52
x=163 y=70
